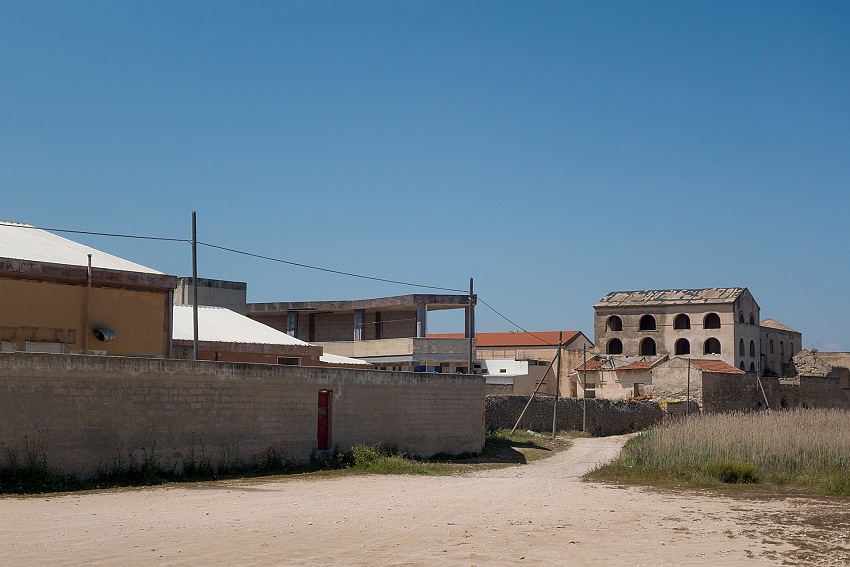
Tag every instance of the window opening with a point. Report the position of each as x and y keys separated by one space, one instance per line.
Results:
x=712 y=321
x=647 y=347
x=647 y=323
x=615 y=346
x=682 y=322
x=711 y=346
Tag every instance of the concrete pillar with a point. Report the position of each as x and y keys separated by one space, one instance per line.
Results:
x=421 y=320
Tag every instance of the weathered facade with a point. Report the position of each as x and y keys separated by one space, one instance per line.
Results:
x=682 y=379
x=51 y=302
x=614 y=377
x=779 y=345
x=719 y=323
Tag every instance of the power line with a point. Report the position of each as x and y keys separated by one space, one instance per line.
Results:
x=328 y=270
x=287 y=262
x=111 y=234
x=541 y=339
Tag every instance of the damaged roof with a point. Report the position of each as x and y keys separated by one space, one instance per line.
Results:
x=599 y=362
x=774 y=324
x=672 y=296
x=716 y=366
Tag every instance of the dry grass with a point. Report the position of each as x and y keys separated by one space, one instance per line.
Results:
x=807 y=449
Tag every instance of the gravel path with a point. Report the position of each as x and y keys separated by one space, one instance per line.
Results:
x=537 y=514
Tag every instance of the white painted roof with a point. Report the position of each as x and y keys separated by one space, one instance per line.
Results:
x=220 y=325
x=25 y=242
x=337 y=359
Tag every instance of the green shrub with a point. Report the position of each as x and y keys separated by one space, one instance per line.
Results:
x=731 y=472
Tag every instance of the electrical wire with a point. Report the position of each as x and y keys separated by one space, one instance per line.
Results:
x=289 y=263
x=111 y=234
x=541 y=339
x=328 y=270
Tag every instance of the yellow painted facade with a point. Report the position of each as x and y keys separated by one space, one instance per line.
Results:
x=50 y=312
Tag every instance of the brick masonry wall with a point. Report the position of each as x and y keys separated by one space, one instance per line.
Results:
x=86 y=412
x=604 y=417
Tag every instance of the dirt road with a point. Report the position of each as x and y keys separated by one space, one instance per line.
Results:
x=537 y=514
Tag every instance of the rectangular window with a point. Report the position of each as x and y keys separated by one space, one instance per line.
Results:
x=289 y=360
x=7 y=347
x=292 y=324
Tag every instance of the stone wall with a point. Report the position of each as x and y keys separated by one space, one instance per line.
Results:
x=84 y=412
x=604 y=417
x=722 y=393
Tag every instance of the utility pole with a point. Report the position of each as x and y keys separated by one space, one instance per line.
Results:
x=557 y=384
x=470 y=324
x=584 y=391
x=195 y=283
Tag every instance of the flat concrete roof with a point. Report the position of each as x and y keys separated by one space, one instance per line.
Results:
x=396 y=302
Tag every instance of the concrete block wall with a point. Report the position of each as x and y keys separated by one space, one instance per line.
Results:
x=84 y=412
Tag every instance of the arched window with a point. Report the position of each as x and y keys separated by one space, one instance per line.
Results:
x=753 y=349
x=711 y=346
x=647 y=347
x=615 y=323
x=741 y=317
x=752 y=367
x=752 y=319
x=682 y=322
x=741 y=366
x=741 y=350
x=712 y=321
x=781 y=349
x=615 y=346
x=683 y=346
x=647 y=323
x=771 y=346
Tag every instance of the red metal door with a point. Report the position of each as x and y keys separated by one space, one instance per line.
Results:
x=324 y=419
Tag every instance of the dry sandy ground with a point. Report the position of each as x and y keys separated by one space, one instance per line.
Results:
x=537 y=514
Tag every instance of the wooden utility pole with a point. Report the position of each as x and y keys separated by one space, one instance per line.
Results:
x=542 y=379
x=470 y=325
x=195 y=284
x=584 y=391
x=557 y=385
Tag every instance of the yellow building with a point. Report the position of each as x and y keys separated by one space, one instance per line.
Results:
x=51 y=301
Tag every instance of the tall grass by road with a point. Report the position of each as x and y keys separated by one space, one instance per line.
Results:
x=807 y=449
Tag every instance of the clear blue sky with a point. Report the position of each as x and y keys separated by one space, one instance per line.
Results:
x=554 y=151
